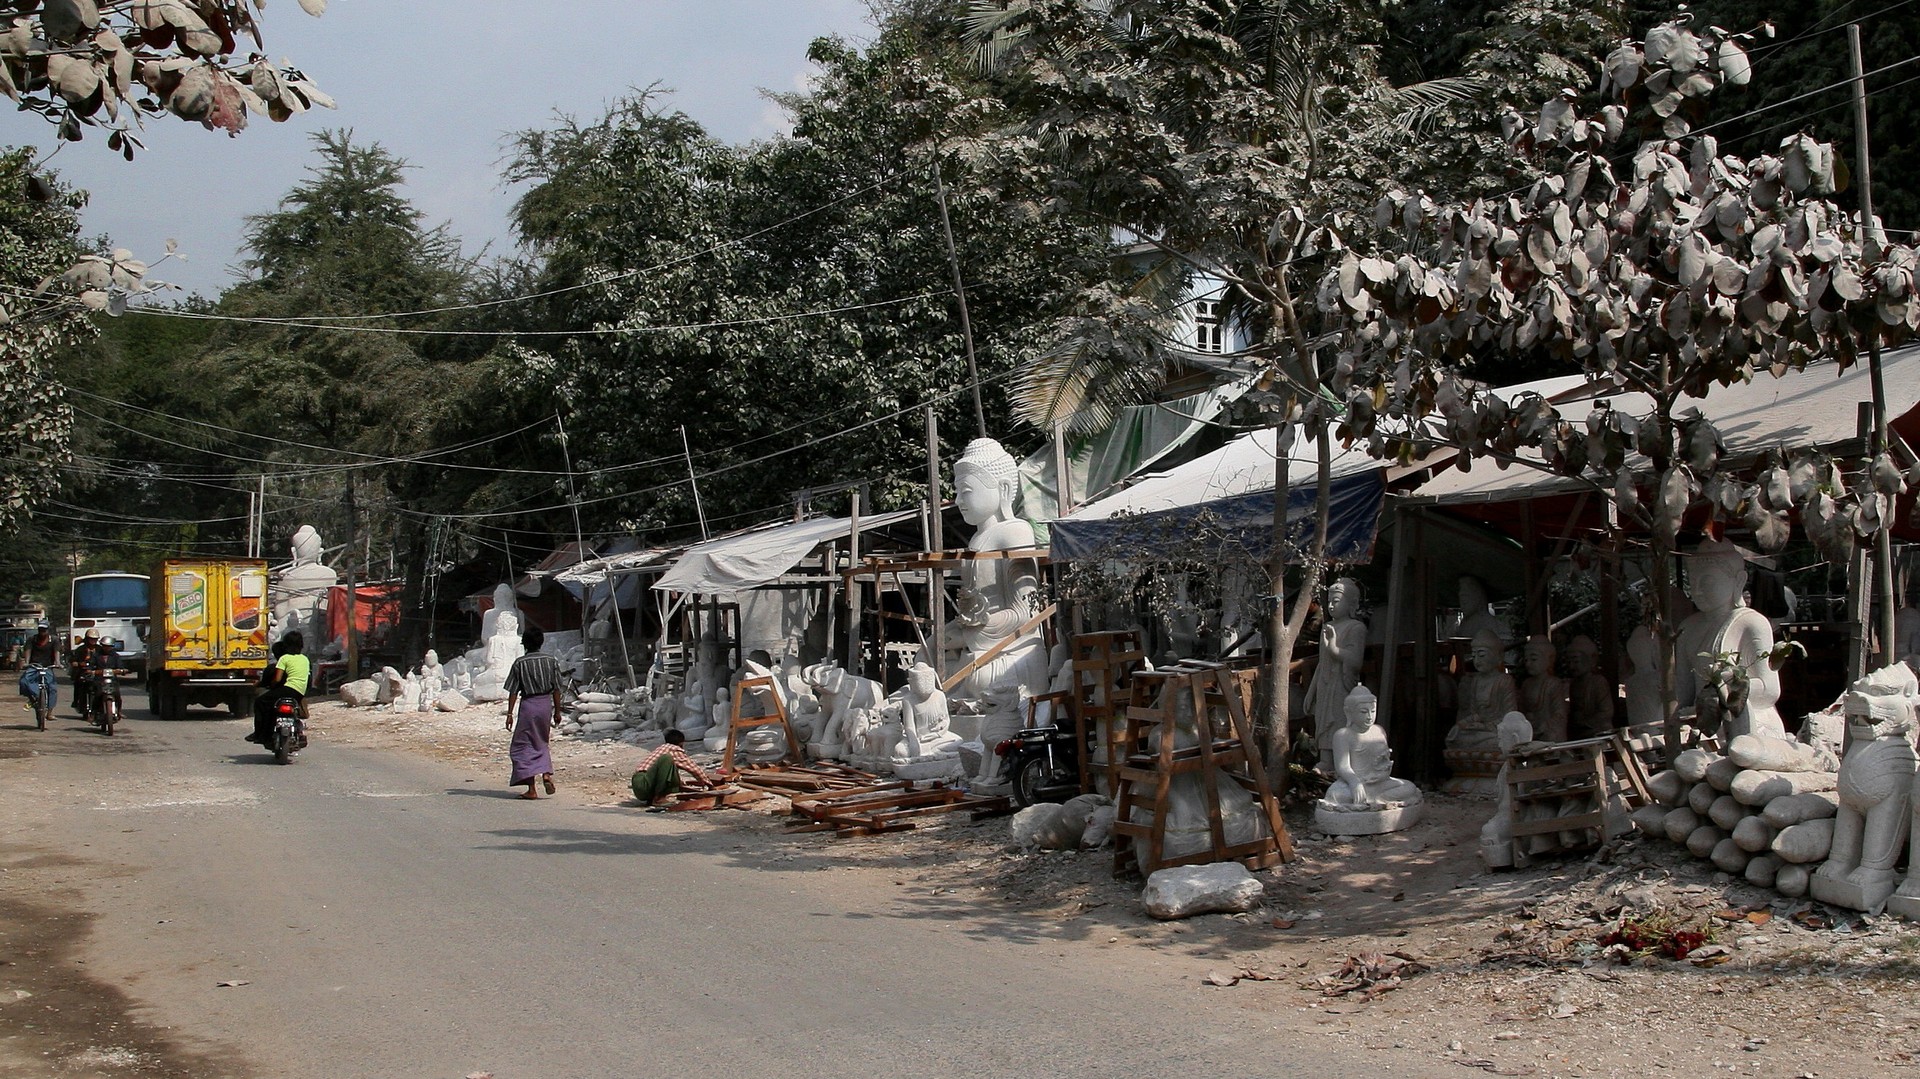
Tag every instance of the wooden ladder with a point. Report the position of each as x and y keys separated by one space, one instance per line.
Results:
x=1221 y=700
x=738 y=722
x=1103 y=665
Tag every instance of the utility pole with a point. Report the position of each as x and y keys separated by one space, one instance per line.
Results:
x=353 y=530
x=936 y=533
x=693 y=481
x=960 y=295
x=1882 y=593
x=580 y=547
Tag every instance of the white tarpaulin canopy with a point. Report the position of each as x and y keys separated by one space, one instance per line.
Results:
x=1234 y=486
x=594 y=571
x=1817 y=406
x=731 y=564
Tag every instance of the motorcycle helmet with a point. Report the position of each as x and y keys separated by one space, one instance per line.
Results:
x=92 y=634
x=42 y=624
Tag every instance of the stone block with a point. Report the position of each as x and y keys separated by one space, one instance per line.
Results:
x=1681 y=823
x=1720 y=774
x=1651 y=820
x=1768 y=754
x=1791 y=880
x=1692 y=764
x=1762 y=869
x=360 y=692
x=1757 y=788
x=1730 y=857
x=1754 y=835
x=1789 y=809
x=1725 y=812
x=1701 y=797
x=1704 y=838
x=1187 y=890
x=1668 y=788
x=451 y=700
x=1805 y=843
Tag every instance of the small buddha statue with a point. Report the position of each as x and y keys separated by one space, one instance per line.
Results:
x=1486 y=694
x=1365 y=798
x=1589 y=694
x=1642 y=685
x=1343 y=647
x=925 y=723
x=1543 y=695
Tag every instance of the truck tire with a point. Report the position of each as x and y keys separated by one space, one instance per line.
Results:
x=153 y=697
x=171 y=706
x=241 y=704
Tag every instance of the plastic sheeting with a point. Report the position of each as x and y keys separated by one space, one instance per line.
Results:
x=732 y=564
x=1140 y=437
x=1225 y=498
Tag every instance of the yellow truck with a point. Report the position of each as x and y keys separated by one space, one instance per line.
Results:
x=208 y=640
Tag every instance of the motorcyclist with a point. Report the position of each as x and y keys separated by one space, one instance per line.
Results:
x=104 y=657
x=42 y=651
x=79 y=662
x=287 y=677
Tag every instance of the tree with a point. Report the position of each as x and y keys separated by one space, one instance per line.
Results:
x=1225 y=136
x=327 y=393
x=38 y=240
x=1647 y=258
x=790 y=302
x=110 y=63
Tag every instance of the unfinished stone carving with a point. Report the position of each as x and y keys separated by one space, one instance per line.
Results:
x=1496 y=837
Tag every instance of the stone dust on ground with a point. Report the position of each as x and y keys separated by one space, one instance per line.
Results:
x=1569 y=968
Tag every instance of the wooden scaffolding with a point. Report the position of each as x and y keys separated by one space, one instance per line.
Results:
x=1218 y=701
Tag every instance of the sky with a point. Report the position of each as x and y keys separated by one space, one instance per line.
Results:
x=441 y=84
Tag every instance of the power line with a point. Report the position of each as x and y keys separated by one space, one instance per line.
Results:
x=608 y=280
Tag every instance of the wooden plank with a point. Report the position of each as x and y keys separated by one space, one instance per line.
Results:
x=1000 y=646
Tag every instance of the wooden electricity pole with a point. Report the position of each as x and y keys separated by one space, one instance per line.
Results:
x=1880 y=598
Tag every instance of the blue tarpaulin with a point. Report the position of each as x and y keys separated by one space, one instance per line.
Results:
x=1224 y=501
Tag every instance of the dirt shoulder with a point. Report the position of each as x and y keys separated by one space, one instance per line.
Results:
x=1401 y=941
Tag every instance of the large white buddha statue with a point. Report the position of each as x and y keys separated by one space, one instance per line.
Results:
x=299 y=591
x=499 y=647
x=996 y=598
x=1724 y=630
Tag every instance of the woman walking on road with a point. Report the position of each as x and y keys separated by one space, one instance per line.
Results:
x=533 y=683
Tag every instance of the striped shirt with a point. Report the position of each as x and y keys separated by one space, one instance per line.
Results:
x=680 y=761
x=534 y=676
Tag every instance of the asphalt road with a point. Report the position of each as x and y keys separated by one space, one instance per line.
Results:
x=391 y=916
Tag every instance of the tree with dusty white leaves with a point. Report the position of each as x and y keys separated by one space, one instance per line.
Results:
x=81 y=63
x=1664 y=268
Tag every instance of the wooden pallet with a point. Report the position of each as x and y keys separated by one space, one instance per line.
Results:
x=793 y=779
x=1574 y=781
x=1220 y=700
x=893 y=805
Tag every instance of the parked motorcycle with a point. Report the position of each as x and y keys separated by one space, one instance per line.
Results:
x=287 y=736
x=42 y=690
x=103 y=701
x=1043 y=763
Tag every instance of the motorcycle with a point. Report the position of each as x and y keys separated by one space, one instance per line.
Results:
x=1043 y=763
x=287 y=736
x=42 y=690
x=103 y=701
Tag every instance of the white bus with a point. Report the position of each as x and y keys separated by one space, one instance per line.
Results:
x=115 y=606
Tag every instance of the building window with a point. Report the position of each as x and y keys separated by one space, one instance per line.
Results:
x=1208 y=334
